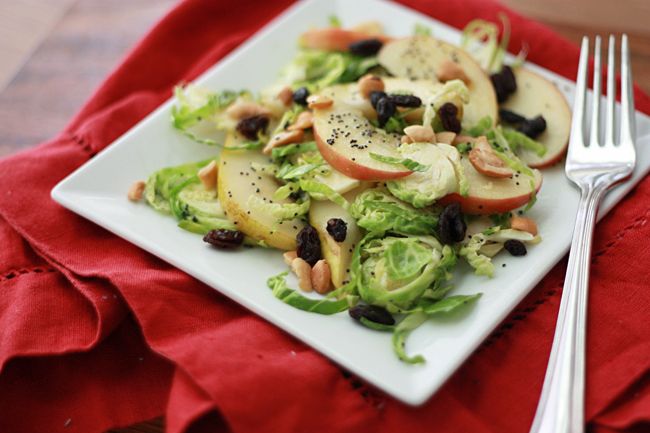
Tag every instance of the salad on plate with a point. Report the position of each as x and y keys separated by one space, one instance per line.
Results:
x=375 y=164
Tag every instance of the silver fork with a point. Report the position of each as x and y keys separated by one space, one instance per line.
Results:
x=593 y=165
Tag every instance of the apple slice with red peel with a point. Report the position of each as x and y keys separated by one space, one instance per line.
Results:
x=346 y=138
x=489 y=195
x=335 y=39
x=536 y=96
x=423 y=57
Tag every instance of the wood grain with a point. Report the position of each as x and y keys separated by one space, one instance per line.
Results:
x=94 y=35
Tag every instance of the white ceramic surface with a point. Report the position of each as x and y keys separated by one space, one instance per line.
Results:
x=98 y=192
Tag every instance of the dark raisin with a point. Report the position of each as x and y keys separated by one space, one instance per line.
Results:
x=511 y=117
x=449 y=117
x=365 y=47
x=308 y=245
x=300 y=96
x=533 y=127
x=406 y=101
x=337 y=228
x=375 y=97
x=515 y=247
x=385 y=110
x=451 y=225
x=250 y=127
x=225 y=239
x=296 y=195
x=372 y=313
x=504 y=83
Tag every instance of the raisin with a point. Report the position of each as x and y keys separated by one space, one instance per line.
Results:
x=451 y=225
x=449 y=117
x=371 y=312
x=409 y=101
x=365 y=47
x=375 y=97
x=337 y=228
x=511 y=117
x=250 y=127
x=225 y=239
x=515 y=247
x=300 y=96
x=385 y=110
x=308 y=245
x=533 y=127
x=504 y=83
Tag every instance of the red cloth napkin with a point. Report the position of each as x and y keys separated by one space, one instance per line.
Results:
x=96 y=333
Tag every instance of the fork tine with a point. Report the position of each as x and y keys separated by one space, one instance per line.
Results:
x=577 y=139
x=628 y=130
x=594 y=138
x=611 y=93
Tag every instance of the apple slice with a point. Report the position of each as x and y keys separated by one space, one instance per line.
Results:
x=335 y=39
x=346 y=138
x=237 y=182
x=337 y=254
x=422 y=57
x=536 y=96
x=489 y=195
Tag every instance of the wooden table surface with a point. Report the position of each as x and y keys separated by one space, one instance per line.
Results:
x=93 y=35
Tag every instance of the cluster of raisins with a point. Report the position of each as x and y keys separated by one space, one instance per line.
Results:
x=504 y=83
x=224 y=239
x=371 y=312
x=337 y=229
x=365 y=47
x=531 y=127
x=251 y=127
x=386 y=105
x=448 y=114
x=451 y=225
x=308 y=245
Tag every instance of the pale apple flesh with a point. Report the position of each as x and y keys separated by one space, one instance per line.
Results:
x=337 y=254
x=421 y=57
x=346 y=138
x=488 y=195
x=536 y=96
x=237 y=182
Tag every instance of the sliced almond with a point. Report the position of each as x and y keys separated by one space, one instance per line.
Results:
x=486 y=161
x=319 y=102
x=305 y=120
x=406 y=139
x=446 y=137
x=303 y=271
x=208 y=175
x=245 y=109
x=289 y=257
x=370 y=83
x=136 y=190
x=286 y=96
x=420 y=134
x=524 y=224
x=321 y=277
x=450 y=70
x=282 y=139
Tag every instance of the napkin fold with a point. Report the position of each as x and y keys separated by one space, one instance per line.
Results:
x=95 y=332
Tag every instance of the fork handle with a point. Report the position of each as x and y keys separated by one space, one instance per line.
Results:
x=561 y=405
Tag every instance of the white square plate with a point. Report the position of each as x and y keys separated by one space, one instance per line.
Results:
x=97 y=191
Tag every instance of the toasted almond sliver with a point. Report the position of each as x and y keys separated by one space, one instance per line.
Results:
x=370 y=83
x=319 y=102
x=486 y=161
x=286 y=96
x=458 y=139
x=420 y=134
x=208 y=175
x=321 y=277
x=289 y=256
x=282 y=139
x=136 y=190
x=305 y=120
x=450 y=70
x=406 y=139
x=524 y=224
x=245 y=109
x=446 y=137
x=303 y=271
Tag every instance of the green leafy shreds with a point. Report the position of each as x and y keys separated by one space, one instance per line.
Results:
x=285 y=190
x=377 y=211
x=247 y=145
x=502 y=219
x=481 y=128
x=421 y=30
x=334 y=21
x=402 y=330
x=376 y=326
x=481 y=39
x=446 y=305
x=283 y=292
x=279 y=211
x=395 y=124
x=320 y=191
x=293 y=149
x=464 y=147
x=296 y=171
x=482 y=264
x=518 y=141
x=288 y=118
x=406 y=162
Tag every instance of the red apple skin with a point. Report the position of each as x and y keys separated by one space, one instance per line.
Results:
x=352 y=169
x=551 y=162
x=335 y=39
x=486 y=206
